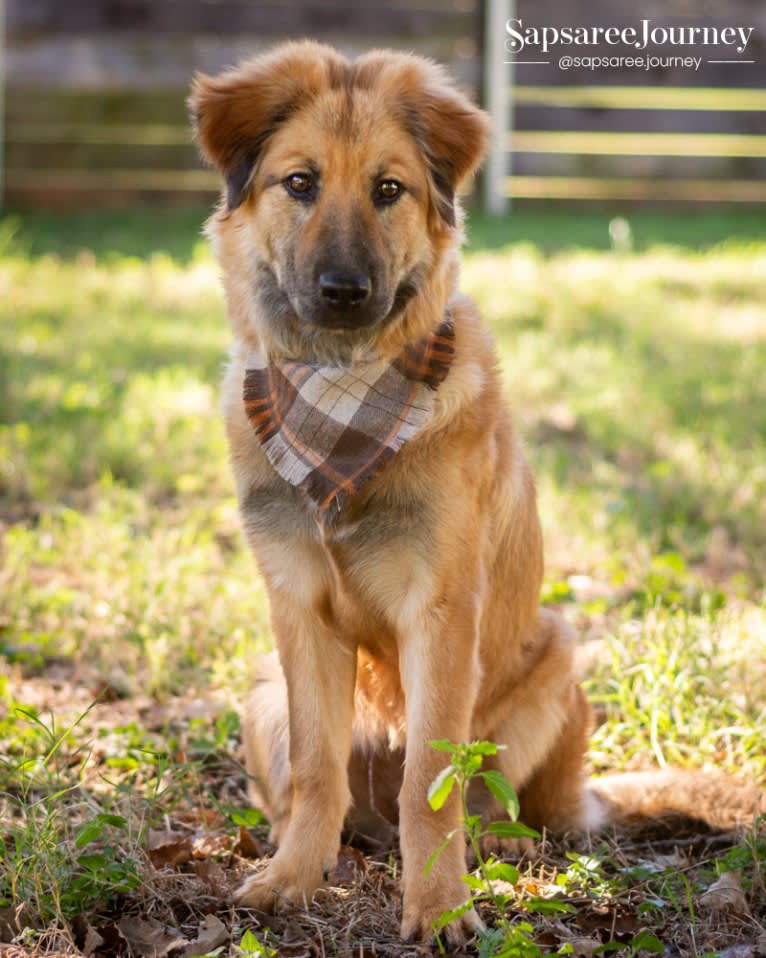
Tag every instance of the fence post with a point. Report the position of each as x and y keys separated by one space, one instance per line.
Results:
x=498 y=91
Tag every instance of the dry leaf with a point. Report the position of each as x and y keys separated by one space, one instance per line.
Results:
x=674 y=860
x=584 y=947
x=169 y=849
x=201 y=818
x=533 y=885
x=150 y=938
x=212 y=933
x=247 y=845
x=114 y=940
x=350 y=864
x=213 y=875
x=615 y=921
x=581 y=947
x=207 y=845
x=725 y=895
x=92 y=940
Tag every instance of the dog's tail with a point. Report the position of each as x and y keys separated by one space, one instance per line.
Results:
x=675 y=797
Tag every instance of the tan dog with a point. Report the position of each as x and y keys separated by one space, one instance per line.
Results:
x=403 y=583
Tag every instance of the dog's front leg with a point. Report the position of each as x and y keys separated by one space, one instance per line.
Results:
x=440 y=674
x=319 y=672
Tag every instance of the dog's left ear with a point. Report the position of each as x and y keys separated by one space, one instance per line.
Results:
x=451 y=131
x=455 y=135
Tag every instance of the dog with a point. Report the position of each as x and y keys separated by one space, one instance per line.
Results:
x=382 y=487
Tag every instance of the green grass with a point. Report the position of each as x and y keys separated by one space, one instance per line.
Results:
x=637 y=380
x=177 y=232
x=558 y=227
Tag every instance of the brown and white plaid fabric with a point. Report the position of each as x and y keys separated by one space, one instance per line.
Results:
x=331 y=430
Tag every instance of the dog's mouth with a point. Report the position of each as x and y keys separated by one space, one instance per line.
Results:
x=303 y=327
x=367 y=316
x=342 y=321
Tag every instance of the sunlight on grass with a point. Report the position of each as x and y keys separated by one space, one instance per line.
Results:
x=163 y=595
x=637 y=383
x=112 y=368
x=680 y=686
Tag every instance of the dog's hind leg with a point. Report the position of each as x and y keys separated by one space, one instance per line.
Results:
x=266 y=738
x=556 y=796
x=543 y=722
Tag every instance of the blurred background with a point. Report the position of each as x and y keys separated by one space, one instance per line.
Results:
x=95 y=114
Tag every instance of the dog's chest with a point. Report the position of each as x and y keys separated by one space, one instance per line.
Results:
x=380 y=554
x=370 y=562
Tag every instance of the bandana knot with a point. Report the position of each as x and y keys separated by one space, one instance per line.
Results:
x=330 y=430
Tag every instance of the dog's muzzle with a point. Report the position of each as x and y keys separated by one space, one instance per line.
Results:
x=344 y=300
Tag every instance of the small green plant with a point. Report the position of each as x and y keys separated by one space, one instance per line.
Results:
x=749 y=855
x=250 y=947
x=586 y=874
x=641 y=943
x=52 y=868
x=55 y=876
x=99 y=868
x=507 y=939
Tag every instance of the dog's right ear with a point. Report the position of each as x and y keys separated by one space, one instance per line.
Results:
x=235 y=112
x=231 y=124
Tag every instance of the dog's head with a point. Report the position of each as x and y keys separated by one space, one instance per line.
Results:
x=340 y=185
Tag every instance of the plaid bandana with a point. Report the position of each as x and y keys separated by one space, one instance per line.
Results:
x=331 y=430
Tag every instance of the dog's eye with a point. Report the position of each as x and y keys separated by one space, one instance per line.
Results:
x=300 y=185
x=388 y=190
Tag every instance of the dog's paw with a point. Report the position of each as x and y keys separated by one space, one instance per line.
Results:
x=515 y=848
x=271 y=889
x=419 y=918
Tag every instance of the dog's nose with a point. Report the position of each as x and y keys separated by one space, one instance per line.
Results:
x=344 y=290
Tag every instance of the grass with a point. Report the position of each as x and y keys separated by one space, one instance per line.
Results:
x=176 y=232
x=636 y=374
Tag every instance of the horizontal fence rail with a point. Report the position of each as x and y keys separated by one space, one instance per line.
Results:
x=95 y=108
x=638 y=188
x=638 y=144
x=589 y=155
x=642 y=97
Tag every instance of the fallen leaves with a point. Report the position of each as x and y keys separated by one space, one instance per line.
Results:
x=168 y=849
x=206 y=837
x=150 y=938
x=212 y=933
x=350 y=866
x=186 y=882
x=725 y=894
x=172 y=848
x=247 y=845
x=752 y=949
